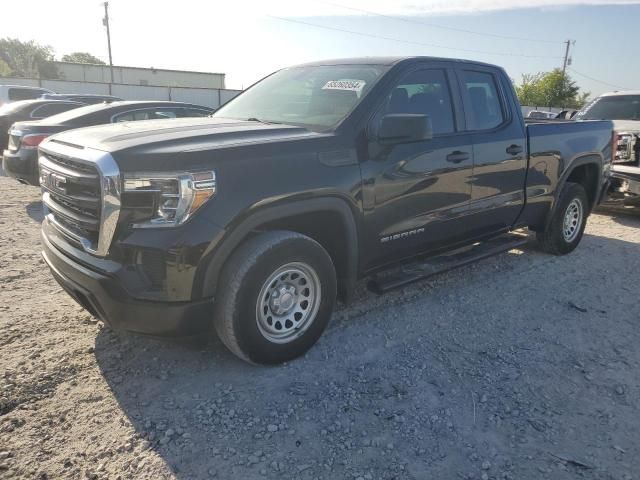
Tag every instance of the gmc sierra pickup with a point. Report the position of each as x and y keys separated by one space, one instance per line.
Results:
x=254 y=221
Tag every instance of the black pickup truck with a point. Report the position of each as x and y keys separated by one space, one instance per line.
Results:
x=254 y=221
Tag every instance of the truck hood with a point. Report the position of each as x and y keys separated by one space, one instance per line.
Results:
x=626 y=125
x=177 y=135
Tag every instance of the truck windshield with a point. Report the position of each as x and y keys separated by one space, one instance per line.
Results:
x=314 y=96
x=614 y=107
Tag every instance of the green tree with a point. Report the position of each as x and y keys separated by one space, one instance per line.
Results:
x=550 y=89
x=28 y=59
x=5 y=70
x=82 y=57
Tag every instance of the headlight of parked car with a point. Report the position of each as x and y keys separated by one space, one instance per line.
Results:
x=167 y=200
x=625 y=147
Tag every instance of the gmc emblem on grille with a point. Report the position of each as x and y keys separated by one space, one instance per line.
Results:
x=53 y=181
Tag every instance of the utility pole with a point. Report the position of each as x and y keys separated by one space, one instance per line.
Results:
x=566 y=62
x=564 y=65
x=105 y=22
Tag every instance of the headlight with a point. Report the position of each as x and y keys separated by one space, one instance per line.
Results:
x=624 y=147
x=172 y=198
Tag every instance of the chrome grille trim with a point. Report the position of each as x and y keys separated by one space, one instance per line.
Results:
x=65 y=211
x=110 y=185
x=64 y=170
x=86 y=244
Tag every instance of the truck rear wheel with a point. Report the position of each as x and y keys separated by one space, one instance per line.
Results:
x=276 y=296
x=565 y=230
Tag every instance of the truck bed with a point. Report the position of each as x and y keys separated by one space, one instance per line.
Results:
x=554 y=148
x=563 y=140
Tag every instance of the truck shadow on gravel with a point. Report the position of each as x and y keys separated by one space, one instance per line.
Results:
x=627 y=216
x=431 y=381
x=35 y=211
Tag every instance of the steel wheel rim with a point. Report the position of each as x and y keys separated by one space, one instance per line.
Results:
x=572 y=220
x=288 y=302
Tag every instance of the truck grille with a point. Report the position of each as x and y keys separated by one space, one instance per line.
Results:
x=81 y=196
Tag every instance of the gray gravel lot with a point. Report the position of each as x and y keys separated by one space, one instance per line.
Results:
x=522 y=366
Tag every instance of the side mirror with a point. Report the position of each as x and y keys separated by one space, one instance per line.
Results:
x=404 y=128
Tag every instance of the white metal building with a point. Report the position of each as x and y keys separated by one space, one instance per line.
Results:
x=84 y=72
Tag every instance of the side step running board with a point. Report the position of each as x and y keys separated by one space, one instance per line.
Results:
x=417 y=271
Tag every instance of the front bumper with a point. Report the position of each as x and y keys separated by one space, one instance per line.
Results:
x=21 y=165
x=625 y=183
x=105 y=298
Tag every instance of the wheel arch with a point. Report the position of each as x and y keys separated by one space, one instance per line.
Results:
x=586 y=170
x=330 y=221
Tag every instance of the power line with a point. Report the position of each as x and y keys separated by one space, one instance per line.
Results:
x=434 y=25
x=599 y=81
x=411 y=42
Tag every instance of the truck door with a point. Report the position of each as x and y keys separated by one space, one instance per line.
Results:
x=498 y=137
x=415 y=195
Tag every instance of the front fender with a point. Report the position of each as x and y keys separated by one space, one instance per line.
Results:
x=221 y=248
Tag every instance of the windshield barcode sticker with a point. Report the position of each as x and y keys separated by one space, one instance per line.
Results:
x=347 y=84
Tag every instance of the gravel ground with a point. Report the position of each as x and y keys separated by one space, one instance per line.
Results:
x=522 y=366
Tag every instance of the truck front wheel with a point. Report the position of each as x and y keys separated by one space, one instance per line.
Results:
x=276 y=295
x=565 y=229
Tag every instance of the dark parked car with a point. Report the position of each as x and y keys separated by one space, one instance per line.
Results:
x=253 y=221
x=30 y=110
x=15 y=93
x=87 y=99
x=20 y=159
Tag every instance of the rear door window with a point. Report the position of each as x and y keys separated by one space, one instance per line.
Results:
x=24 y=93
x=90 y=100
x=193 y=112
x=424 y=92
x=133 y=116
x=162 y=113
x=483 y=105
x=44 y=111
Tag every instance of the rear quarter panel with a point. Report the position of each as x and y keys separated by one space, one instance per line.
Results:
x=555 y=149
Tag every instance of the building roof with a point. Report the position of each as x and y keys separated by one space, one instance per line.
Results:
x=139 y=68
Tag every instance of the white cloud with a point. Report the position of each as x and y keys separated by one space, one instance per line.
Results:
x=311 y=8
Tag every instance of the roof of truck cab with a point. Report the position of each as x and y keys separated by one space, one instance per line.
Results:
x=387 y=61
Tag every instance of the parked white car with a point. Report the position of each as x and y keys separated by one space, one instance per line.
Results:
x=13 y=93
x=540 y=115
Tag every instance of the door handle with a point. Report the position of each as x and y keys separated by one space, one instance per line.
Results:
x=514 y=149
x=457 y=157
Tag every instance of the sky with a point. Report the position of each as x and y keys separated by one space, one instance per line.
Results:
x=248 y=39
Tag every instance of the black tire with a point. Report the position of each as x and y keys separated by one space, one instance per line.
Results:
x=236 y=312
x=553 y=239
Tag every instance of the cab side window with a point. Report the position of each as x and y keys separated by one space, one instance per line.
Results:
x=424 y=92
x=483 y=105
